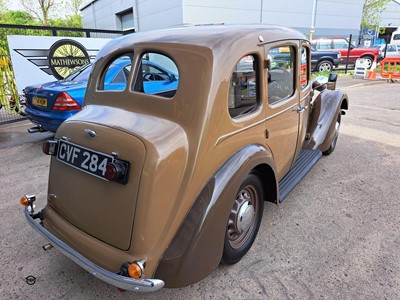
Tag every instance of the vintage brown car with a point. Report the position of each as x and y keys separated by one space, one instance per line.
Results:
x=159 y=180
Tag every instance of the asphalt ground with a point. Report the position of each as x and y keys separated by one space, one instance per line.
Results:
x=336 y=236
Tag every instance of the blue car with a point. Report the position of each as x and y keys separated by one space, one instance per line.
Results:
x=50 y=104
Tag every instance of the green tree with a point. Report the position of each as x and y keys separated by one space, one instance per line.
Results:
x=3 y=6
x=372 y=10
x=74 y=5
x=17 y=17
x=40 y=9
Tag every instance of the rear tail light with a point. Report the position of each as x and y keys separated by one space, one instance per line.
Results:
x=50 y=147
x=65 y=102
x=116 y=171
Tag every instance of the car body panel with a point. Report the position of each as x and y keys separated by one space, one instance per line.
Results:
x=191 y=155
x=200 y=236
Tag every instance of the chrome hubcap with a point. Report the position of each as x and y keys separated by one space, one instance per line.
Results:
x=325 y=67
x=243 y=215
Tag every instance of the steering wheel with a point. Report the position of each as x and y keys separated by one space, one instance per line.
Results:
x=149 y=77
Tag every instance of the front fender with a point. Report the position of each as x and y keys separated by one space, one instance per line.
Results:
x=196 y=249
x=321 y=128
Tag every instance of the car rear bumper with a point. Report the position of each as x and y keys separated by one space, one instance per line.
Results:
x=48 y=120
x=126 y=283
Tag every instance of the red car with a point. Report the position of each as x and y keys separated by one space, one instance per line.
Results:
x=342 y=45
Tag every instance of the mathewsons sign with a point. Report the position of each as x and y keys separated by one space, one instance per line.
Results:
x=40 y=59
x=66 y=56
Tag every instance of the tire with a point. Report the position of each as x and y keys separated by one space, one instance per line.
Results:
x=335 y=137
x=244 y=220
x=369 y=60
x=324 y=65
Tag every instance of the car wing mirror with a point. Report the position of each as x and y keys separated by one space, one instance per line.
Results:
x=172 y=77
x=332 y=81
x=320 y=83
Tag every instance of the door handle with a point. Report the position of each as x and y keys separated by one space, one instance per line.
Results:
x=300 y=109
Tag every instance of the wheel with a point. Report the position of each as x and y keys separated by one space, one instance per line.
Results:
x=244 y=220
x=324 y=65
x=335 y=137
x=368 y=61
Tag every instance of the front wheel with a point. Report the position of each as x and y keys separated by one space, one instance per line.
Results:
x=335 y=137
x=324 y=65
x=244 y=220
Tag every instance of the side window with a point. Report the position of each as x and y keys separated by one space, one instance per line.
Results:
x=157 y=74
x=243 y=95
x=281 y=73
x=116 y=75
x=304 y=67
x=324 y=44
x=391 y=48
x=340 y=44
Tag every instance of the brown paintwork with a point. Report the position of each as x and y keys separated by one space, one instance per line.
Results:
x=176 y=146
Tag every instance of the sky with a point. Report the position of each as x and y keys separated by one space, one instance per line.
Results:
x=14 y=5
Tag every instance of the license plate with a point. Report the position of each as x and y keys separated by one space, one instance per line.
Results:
x=39 y=101
x=83 y=159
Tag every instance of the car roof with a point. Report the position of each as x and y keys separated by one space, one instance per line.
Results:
x=213 y=37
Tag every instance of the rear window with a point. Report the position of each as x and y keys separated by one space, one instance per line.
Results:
x=80 y=75
x=116 y=75
x=243 y=89
x=157 y=74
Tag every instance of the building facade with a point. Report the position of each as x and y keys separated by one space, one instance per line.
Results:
x=391 y=15
x=333 y=17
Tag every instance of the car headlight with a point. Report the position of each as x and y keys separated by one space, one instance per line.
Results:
x=339 y=55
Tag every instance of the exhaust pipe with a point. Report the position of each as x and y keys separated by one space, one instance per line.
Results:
x=36 y=129
x=47 y=247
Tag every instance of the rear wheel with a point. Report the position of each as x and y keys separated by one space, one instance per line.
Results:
x=324 y=65
x=335 y=137
x=368 y=61
x=244 y=220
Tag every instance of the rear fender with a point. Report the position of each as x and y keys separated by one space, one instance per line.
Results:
x=325 y=108
x=196 y=249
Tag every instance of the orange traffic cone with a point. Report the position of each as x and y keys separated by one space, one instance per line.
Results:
x=372 y=72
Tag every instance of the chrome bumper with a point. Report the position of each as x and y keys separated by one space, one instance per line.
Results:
x=126 y=283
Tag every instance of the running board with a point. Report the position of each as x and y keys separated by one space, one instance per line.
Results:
x=306 y=160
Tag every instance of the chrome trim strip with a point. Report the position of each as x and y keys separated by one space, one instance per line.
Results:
x=126 y=283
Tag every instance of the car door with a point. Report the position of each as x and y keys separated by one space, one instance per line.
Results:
x=304 y=88
x=282 y=121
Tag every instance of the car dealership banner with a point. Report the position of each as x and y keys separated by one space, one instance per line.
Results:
x=40 y=59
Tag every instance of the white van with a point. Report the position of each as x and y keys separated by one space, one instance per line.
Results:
x=395 y=37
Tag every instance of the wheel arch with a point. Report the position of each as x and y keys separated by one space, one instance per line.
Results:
x=323 y=117
x=267 y=176
x=330 y=59
x=197 y=247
